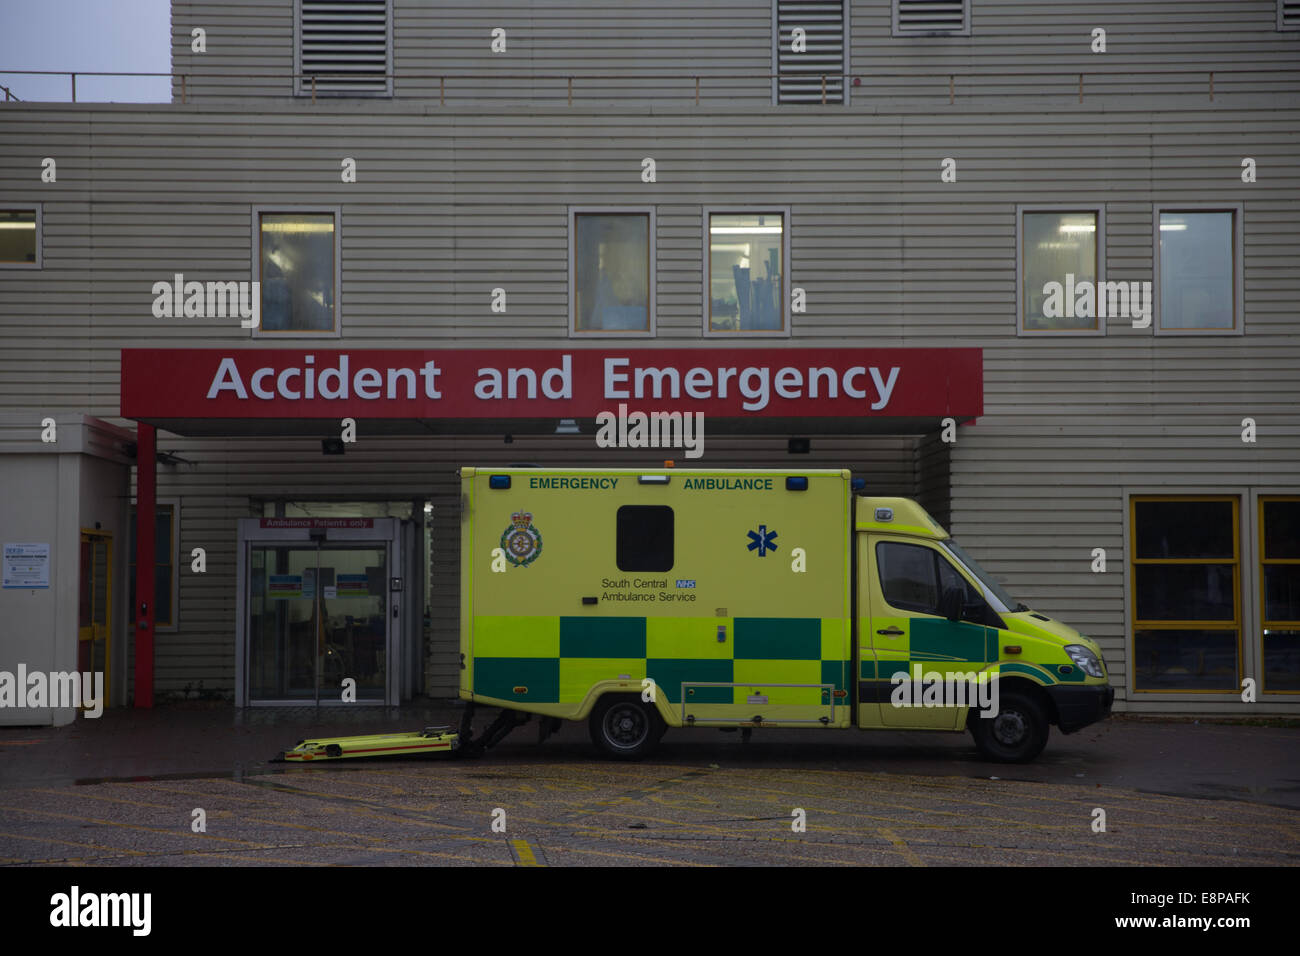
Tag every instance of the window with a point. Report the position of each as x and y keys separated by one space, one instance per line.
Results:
x=809 y=51
x=343 y=48
x=20 y=237
x=746 y=256
x=931 y=18
x=1186 y=611
x=1288 y=14
x=611 y=271
x=1058 y=250
x=913 y=578
x=1279 y=537
x=165 y=583
x=1198 y=270
x=296 y=260
x=645 y=538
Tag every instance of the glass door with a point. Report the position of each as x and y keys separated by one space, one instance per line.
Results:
x=318 y=615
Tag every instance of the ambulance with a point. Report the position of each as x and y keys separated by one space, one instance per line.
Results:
x=639 y=600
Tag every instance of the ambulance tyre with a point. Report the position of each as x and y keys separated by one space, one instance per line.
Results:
x=625 y=728
x=1017 y=734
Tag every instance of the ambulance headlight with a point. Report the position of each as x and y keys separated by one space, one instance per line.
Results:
x=1085 y=659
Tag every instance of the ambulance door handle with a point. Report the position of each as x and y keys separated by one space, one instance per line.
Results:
x=891 y=632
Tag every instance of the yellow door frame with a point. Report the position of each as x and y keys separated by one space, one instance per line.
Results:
x=94 y=631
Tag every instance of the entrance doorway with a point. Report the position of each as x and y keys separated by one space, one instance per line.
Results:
x=321 y=604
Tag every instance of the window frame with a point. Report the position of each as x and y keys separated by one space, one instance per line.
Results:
x=174 y=625
x=651 y=256
x=1238 y=267
x=386 y=93
x=337 y=213
x=40 y=234
x=1241 y=584
x=1099 y=210
x=787 y=283
x=1261 y=562
x=899 y=32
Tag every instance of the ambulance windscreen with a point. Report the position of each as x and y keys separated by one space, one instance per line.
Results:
x=1011 y=605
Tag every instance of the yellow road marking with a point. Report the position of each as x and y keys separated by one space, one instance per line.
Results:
x=525 y=853
x=903 y=848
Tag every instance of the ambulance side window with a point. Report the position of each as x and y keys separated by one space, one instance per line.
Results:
x=644 y=538
x=907 y=577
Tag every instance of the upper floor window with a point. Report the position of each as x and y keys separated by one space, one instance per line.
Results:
x=296 y=260
x=1060 y=270
x=810 y=51
x=1198 y=268
x=611 y=271
x=930 y=18
x=20 y=237
x=343 y=47
x=746 y=262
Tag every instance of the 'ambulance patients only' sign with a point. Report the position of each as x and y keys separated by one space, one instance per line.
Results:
x=160 y=384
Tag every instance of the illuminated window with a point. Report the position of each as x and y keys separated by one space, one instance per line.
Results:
x=297 y=262
x=20 y=237
x=1198 y=261
x=1059 y=255
x=746 y=263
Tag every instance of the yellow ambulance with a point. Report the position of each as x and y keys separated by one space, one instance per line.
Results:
x=639 y=600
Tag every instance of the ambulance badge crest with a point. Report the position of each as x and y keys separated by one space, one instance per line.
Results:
x=521 y=542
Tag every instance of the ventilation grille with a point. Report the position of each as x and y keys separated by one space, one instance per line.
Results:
x=343 y=45
x=931 y=18
x=799 y=75
x=1288 y=14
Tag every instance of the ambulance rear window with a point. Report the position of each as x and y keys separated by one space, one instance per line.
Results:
x=645 y=538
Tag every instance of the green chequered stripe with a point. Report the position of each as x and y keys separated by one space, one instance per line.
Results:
x=778 y=638
x=499 y=676
x=671 y=651
x=937 y=640
x=602 y=637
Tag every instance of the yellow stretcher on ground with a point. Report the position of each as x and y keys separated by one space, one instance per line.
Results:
x=429 y=740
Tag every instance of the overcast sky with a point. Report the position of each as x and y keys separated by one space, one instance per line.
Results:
x=132 y=36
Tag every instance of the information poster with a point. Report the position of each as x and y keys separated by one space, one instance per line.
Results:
x=26 y=566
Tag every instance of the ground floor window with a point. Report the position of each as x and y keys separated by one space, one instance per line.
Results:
x=1279 y=577
x=1186 y=593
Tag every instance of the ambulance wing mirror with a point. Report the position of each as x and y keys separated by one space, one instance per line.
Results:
x=950 y=605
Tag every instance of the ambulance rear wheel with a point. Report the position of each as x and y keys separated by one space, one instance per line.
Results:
x=625 y=728
x=1017 y=734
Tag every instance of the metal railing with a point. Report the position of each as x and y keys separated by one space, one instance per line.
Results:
x=833 y=87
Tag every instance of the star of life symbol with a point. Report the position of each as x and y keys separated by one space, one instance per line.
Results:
x=762 y=539
x=521 y=542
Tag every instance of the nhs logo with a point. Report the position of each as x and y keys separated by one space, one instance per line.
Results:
x=684 y=583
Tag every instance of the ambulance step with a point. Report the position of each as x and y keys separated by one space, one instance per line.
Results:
x=429 y=740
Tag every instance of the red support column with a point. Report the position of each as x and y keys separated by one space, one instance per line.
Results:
x=146 y=518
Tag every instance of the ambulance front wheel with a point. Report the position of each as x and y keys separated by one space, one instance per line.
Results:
x=1017 y=734
x=625 y=728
